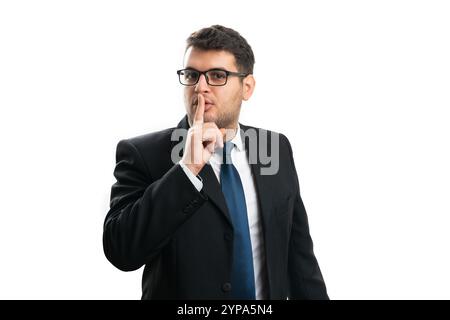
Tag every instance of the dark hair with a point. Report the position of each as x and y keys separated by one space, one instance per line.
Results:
x=218 y=37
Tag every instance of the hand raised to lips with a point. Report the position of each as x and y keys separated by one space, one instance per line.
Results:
x=207 y=100
x=202 y=139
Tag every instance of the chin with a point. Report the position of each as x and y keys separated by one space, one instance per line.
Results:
x=209 y=116
x=209 y=119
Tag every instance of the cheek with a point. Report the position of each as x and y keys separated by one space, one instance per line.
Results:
x=225 y=97
x=188 y=97
x=187 y=93
x=232 y=98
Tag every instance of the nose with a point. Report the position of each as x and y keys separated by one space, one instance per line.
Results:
x=202 y=85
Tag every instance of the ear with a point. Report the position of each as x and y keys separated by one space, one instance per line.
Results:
x=248 y=87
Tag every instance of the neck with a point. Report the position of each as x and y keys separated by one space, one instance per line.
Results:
x=230 y=132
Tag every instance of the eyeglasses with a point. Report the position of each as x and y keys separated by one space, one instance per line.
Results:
x=214 y=77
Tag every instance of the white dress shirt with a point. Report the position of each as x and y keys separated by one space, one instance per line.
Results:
x=240 y=161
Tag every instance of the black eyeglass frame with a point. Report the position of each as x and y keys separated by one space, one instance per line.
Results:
x=228 y=73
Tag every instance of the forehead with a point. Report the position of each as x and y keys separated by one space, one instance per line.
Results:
x=209 y=59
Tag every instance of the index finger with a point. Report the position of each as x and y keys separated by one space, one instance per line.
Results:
x=198 y=117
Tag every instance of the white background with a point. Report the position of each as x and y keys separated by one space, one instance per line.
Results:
x=361 y=89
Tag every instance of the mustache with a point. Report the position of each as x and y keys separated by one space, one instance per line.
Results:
x=207 y=100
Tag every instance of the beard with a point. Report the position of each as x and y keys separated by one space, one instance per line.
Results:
x=219 y=117
x=222 y=120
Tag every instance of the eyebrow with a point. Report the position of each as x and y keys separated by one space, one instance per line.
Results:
x=221 y=68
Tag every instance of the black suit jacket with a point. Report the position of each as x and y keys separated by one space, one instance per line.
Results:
x=184 y=237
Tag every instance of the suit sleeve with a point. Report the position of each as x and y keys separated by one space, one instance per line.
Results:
x=305 y=277
x=145 y=212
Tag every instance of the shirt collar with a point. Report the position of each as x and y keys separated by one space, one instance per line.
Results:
x=237 y=140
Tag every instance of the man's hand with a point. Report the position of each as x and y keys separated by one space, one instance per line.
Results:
x=202 y=139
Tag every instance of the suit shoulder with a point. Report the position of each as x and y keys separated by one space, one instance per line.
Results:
x=153 y=150
x=269 y=133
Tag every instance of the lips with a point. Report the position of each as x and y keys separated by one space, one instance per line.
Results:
x=208 y=103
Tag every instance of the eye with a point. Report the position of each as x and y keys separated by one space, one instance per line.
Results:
x=190 y=74
x=217 y=75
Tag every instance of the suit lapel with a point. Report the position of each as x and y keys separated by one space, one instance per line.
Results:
x=212 y=188
x=264 y=187
x=211 y=185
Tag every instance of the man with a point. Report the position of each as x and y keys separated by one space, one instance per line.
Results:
x=213 y=224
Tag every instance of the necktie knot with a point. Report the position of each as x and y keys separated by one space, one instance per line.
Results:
x=227 y=147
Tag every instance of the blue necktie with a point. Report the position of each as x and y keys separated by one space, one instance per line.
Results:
x=242 y=276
